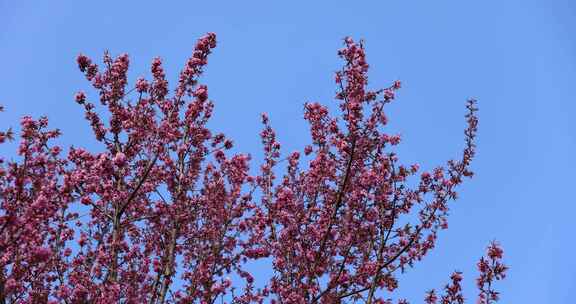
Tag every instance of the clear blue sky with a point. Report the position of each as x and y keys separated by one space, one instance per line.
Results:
x=518 y=58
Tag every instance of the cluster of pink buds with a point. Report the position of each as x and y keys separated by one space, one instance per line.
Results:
x=164 y=212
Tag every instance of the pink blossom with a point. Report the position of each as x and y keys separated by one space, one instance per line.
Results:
x=120 y=159
x=80 y=97
x=162 y=198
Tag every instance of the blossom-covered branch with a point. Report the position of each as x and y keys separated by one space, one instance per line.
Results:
x=162 y=212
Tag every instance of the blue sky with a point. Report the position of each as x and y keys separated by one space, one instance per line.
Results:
x=518 y=58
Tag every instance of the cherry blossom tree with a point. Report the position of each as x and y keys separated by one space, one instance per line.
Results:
x=164 y=213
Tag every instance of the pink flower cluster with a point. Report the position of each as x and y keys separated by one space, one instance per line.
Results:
x=491 y=269
x=163 y=201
